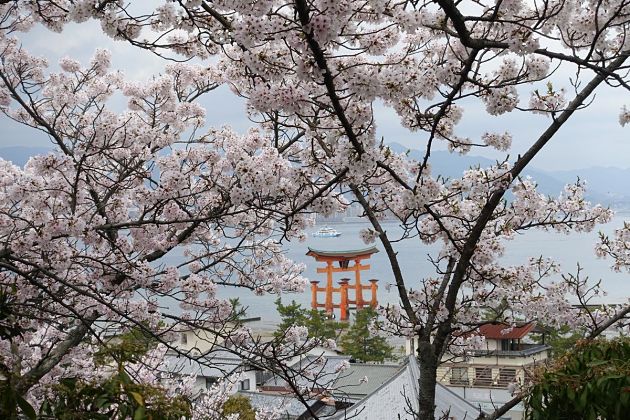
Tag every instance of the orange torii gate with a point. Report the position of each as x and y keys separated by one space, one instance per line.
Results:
x=343 y=258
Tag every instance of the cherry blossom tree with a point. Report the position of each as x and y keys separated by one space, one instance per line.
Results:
x=86 y=231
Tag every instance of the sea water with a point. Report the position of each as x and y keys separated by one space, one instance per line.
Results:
x=413 y=256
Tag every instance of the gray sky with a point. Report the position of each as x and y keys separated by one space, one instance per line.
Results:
x=591 y=138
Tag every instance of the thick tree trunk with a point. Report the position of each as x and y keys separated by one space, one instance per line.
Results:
x=55 y=355
x=426 y=388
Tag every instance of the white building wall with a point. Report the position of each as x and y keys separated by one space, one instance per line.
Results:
x=493 y=344
x=201 y=383
x=200 y=340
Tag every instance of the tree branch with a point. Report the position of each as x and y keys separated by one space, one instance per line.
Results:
x=44 y=366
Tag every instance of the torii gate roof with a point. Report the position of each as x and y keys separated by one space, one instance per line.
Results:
x=349 y=254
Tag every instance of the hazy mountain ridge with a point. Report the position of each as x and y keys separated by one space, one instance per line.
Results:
x=606 y=185
x=610 y=181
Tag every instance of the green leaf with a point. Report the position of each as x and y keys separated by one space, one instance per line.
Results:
x=139 y=413
x=124 y=378
x=27 y=409
x=102 y=401
x=583 y=400
x=136 y=396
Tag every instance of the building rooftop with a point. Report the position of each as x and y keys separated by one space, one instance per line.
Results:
x=397 y=396
x=350 y=382
x=501 y=331
x=319 y=373
x=346 y=384
x=289 y=406
x=217 y=364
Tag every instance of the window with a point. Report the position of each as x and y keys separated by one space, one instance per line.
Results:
x=263 y=376
x=483 y=376
x=459 y=376
x=210 y=381
x=505 y=345
x=243 y=385
x=507 y=376
x=184 y=338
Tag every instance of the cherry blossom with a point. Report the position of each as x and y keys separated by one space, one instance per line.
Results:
x=138 y=215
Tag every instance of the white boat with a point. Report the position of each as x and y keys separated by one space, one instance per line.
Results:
x=326 y=232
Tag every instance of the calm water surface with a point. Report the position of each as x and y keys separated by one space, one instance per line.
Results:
x=568 y=250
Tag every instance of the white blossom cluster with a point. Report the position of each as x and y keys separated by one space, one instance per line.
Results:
x=93 y=225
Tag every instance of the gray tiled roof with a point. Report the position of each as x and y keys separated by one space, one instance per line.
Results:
x=393 y=399
x=218 y=364
x=346 y=384
x=321 y=376
x=290 y=406
x=349 y=383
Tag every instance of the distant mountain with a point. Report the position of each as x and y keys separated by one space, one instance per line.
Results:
x=19 y=155
x=608 y=186
x=447 y=164
x=453 y=165
x=611 y=182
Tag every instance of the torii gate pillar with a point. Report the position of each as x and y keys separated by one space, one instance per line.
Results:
x=343 y=260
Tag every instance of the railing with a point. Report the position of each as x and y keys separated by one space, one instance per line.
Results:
x=525 y=351
x=482 y=376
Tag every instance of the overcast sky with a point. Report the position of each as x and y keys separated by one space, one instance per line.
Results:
x=591 y=138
